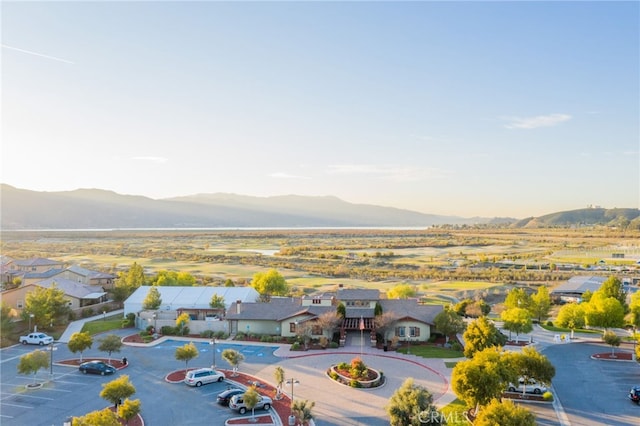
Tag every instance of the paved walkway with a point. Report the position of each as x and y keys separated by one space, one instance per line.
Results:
x=76 y=326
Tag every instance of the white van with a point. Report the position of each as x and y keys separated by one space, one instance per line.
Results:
x=202 y=376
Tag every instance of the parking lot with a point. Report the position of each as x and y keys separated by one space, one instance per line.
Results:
x=72 y=393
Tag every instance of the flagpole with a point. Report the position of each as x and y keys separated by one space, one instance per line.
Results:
x=361 y=335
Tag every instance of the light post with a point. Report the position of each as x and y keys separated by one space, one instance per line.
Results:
x=213 y=345
x=51 y=349
x=292 y=418
x=104 y=315
x=155 y=330
x=30 y=317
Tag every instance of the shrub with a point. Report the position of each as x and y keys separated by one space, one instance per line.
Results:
x=150 y=329
x=550 y=323
x=209 y=334
x=358 y=368
x=240 y=336
x=456 y=346
x=87 y=312
x=144 y=333
x=323 y=342
x=125 y=323
x=167 y=330
x=220 y=335
x=343 y=366
x=131 y=317
x=547 y=396
x=72 y=316
x=333 y=345
x=333 y=375
x=354 y=383
x=295 y=346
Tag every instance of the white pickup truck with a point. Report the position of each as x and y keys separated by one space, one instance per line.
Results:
x=36 y=339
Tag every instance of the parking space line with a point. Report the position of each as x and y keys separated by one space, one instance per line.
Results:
x=24 y=395
x=58 y=390
x=17 y=405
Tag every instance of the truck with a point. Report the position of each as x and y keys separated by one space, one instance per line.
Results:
x=36 y=339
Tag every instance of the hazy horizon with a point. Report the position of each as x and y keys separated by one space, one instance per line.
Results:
x=491 y=109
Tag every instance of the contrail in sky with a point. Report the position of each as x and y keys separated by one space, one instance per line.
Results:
x=37 y=54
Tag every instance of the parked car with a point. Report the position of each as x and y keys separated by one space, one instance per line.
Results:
x=532 y=386
x=224 y=397
x=202 y=376
x=36 y=339
x=237 y=403
x=634 y=394
x=97 y=367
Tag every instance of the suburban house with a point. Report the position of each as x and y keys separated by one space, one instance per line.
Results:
x=574 y=288
x=79 y=295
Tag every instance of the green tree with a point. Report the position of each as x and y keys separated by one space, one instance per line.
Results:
x=152 y=300
x=504 y=413
x=571 y=316
x=481 y=334
x=128 y=282
x=46 y=304
x=341 y=310
x=269 y=283
x=6 y=319
x=410 y=405
x=80 y=342
x=530 y=364
x=478 y=380
x=186 y=353
x=611 y=339
x=634 y=310
x=104 y=417
x=586 y=296
x=229 y=283
x=117 y=390
x=517 y=298
x=302 y=410
x=449 y=323
x=612 y=287
x=278 y=375
x=605 y=312
x=129 y=409
x=110 y=344
x=401 y=291
x=541 y=304
x=182 y=321
x=517 y=320
x=32 y=362
x=234 y=358
x=251 y=398
x=217 y=302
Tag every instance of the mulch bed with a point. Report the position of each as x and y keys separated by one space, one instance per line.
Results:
x=617 y=356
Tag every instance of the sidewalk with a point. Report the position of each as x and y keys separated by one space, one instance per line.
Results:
x=76 y=326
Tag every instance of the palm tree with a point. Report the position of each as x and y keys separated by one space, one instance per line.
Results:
x=302 y=411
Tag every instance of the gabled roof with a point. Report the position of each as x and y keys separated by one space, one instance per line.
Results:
x=70 y=288
x=278 y=309
x=37 y=261
x=44 y=274
x=357 y=294
x=410 y=308
x=89 y=273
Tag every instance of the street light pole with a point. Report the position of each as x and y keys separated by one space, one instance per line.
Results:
x=292 y=418
x=213 y=344
x=104 y=315
x=30 y=317
x=51 y=349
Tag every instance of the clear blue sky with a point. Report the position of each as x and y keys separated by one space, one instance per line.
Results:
x=471 y=109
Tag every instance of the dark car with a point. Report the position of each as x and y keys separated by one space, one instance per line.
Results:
x=97 y=367
x=634 y=394
x=225 y=397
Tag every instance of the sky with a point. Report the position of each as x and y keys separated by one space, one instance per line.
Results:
x=507 y=109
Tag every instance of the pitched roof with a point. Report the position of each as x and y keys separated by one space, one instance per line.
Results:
x=37 y=261
x=410 y=308
x=70 y=288
x=44 y=274
x=357 y=294
x=89 y=273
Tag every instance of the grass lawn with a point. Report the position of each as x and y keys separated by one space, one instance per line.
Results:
x=100 y=326
x=568 y=330
x=432 y=352
x=454 y=413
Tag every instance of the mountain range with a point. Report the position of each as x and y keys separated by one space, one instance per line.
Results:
x=101 y=209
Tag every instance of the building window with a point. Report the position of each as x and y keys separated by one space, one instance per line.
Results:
x=414 y=331
x=292 y=327
x=19 y=304
x=400 y=331
x=317 y=301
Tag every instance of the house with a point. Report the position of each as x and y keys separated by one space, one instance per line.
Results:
x=88 y=277
x=574 y=288
x=79 y=295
